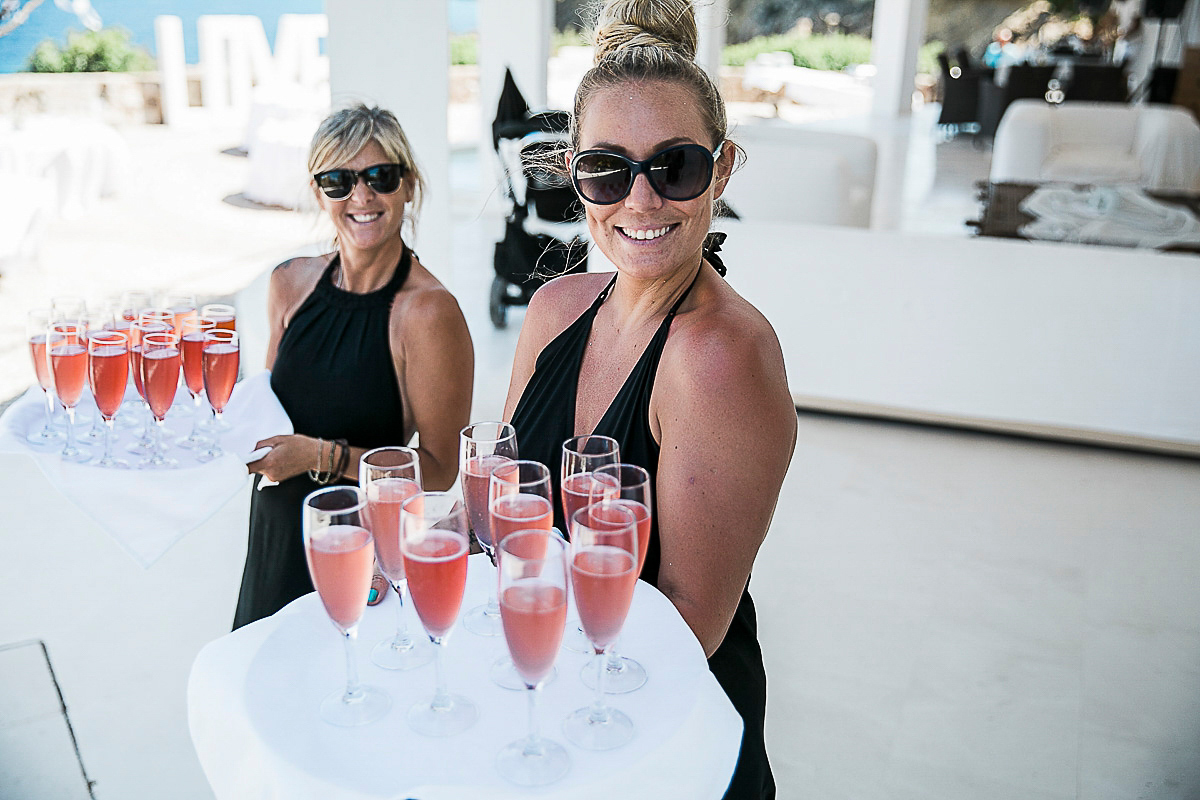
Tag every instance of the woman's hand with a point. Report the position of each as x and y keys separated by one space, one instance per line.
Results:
x=288 y=457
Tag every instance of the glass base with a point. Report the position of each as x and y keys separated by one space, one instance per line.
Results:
x=158 y=463
x=213 y=453
x=403 y=652
x=576 y=640
x=45 y=436
x=141 y=447
x=94 y=434
x=455 y=716
x=504 y=674
x=621 y=677
x=193 y=442
x=584 y=729
x=479 y=622
x=370 y=704
x=112 y=463
x=76 y=455
x=529 y=762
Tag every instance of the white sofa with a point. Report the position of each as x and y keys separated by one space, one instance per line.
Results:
x=795 y=174
x=1156 y=147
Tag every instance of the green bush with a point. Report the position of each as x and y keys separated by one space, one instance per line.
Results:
x=464 y=48
x=106 y=50
x=832 y=52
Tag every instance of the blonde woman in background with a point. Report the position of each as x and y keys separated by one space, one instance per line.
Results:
x=366 y=349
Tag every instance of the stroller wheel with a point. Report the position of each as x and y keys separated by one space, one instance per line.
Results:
x=496 y=305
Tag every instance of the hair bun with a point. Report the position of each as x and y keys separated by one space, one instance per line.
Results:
x=667 y=24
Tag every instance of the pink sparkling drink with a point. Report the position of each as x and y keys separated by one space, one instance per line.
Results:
x=384 y=498
x=436 y=566
x=517 y=512
x=341 y=562
x=534 y=614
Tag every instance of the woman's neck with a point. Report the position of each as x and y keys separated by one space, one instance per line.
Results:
x=637 y=302
x=361 y=271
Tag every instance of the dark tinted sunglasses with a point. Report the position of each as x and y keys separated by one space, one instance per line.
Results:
x=681 y=172
x=337 y=184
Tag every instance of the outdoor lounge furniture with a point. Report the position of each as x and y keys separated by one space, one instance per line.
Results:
x=1104 y=83
x=958 y=91
x=1152 y=146
x=996 y=95
x=794 y=174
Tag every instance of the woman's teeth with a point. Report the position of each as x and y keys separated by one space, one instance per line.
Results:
x=365 y=217
x=641 y=235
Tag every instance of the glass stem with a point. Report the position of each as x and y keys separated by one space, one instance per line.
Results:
x=195 y=434
x=402 y=638
x=108 y=437
x=353 y=689
x=613 y=661
x=158 y=437
x=147 y=434
x=599 y=710
x=70 y=428
x=533 y=745
x=441 y=696
x=49 y=410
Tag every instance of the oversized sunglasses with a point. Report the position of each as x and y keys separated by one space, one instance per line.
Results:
x=681 y=172
x=337 y=184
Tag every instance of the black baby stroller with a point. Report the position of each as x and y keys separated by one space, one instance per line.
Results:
x=544 y=230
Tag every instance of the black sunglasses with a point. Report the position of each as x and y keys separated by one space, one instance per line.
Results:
x=337 y=184
x=681 y=172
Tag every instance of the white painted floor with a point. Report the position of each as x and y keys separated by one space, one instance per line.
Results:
x=944 y=614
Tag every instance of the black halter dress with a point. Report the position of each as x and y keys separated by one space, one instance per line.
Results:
x=335 y=378
x=545 y=418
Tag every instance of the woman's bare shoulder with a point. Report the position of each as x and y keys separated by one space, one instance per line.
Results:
x=298 y=276
x=560 y=301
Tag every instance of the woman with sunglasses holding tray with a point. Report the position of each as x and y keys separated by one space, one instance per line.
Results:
x=665 y=356
x=366 y=348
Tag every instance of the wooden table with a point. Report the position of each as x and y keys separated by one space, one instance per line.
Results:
x=1001 y=213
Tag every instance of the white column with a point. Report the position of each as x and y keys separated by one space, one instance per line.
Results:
x=513 y=34
x=172 y=66
x=712 y=18
x=397 y=55
x=898 y=32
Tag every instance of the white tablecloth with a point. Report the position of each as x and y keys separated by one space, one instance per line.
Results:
x=147 y=511
x=253 y=700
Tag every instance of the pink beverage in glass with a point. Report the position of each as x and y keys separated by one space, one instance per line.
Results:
x=436 y=566
x=160 y=378
x=191 y=347
x=341 y=563
x=476 y=476
x=603 y=578
x=580 y=489
x=642 y=515
x=518 y=512
x=220 y=371
x=68 y=363
x=37 y=349
x=178 y=315
x=384 y=498
x=135 y=363
x=224 y=315
x=109 y=372
x=534 y=615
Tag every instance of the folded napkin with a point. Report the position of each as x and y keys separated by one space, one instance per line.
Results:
x=148 y=511
x=1113 y=215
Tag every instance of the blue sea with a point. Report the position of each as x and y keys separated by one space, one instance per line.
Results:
x=137 y=16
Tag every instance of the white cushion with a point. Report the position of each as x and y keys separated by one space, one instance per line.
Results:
x=1092 y=163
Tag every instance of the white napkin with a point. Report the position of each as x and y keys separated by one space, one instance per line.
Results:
x=148 y=511
x=1113 y=215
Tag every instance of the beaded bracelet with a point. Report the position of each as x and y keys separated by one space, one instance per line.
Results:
x=317 y=476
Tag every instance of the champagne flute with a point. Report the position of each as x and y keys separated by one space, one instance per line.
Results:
x=519 y=498
x=340 y=554
x=628 y=486
x=182 y=307
x=603 y=576
x=127 y=307
x=434 y=540
x=191 y=344
x=37 y=326
x=220 y=356
x=96 y=316
x=533 y=606
x=67 y=308
x=148 y=321
x=160 y=379
x=483 y=446
x=67 y=358
x=389 y=476
x=133 y=304
x=581 y=455
x=223 y=314
x=108 y=373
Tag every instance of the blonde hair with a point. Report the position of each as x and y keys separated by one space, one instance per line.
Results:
x=344 y=133
x=649 y=40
